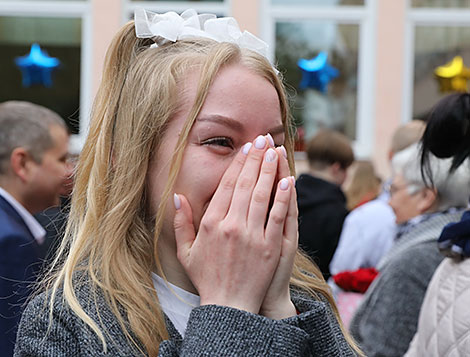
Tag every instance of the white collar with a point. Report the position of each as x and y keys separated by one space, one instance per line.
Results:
x=176 y=303
x=38 y=232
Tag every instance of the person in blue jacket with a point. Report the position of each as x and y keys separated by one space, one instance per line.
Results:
x=33 y=150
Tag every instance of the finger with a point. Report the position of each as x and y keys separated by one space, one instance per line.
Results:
x=283 y=166
x=291 y=224
x=220 y=202
x=278 y=213
x=283 y=169
x=184 y=228
x=270 y=140
x=260 y=199
x=247 y=179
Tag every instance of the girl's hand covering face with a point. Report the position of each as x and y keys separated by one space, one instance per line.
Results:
x=238 y=259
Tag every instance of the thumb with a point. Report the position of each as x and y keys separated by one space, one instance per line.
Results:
x=184 y=227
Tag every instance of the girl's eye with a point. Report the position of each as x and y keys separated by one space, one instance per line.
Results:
x=219 y=141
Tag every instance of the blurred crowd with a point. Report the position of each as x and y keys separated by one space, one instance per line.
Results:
x=393 y=249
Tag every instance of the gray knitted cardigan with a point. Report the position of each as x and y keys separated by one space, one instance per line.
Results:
x=386 y=320
x=211 y=331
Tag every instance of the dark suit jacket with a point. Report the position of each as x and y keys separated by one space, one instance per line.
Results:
x=19 y=264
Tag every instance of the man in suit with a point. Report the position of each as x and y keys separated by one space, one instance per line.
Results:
x=33 y=154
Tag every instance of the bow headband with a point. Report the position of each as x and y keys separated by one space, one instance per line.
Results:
x=171 y=27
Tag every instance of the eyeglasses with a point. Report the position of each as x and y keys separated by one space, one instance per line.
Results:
x=392 y=189
x=412 y=188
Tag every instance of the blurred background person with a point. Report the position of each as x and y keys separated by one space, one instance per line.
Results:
x=321 y=202
x=444 y=320
x=33 y=153
x=368 y=233
x=362 y=184
x=53 y=219
x=369 y=230
x=387 y=318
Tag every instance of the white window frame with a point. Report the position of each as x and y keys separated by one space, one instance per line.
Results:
x=68 y=9
x=446 y=17
x=222 y=7
x=365 y=17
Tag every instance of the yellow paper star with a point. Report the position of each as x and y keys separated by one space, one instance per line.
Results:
x=453 y=76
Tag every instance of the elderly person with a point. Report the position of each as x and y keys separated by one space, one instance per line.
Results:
x=387 y=319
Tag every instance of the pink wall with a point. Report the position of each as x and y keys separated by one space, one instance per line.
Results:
x=247 y=14
x=106 y=18
x=389 y=78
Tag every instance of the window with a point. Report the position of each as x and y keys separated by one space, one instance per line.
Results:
x=61 y=39
x=441 y=3
x=344 y=30
x=313 y=109
x=435 y=46
x=180 y=0
x=318 y=2
x=218 y=7
x=435 y=37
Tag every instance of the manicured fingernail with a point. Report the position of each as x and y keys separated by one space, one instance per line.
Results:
x=270 y=139
x=260 y=142
x=283 y=150
x=270 y=155
x=284 y=184
x=246 y=148
x=177 y=201
x=292 y=178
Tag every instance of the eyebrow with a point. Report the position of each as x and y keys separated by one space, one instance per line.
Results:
x=234 y=124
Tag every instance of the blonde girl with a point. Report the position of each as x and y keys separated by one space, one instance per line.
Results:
x=182 y=238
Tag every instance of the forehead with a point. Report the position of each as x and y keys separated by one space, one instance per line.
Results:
x=398 y=179
x=238 y=93
x=60 y=138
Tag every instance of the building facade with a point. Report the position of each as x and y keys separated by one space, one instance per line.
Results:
x=385 y=51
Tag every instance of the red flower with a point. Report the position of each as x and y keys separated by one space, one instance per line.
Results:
x=358 y=280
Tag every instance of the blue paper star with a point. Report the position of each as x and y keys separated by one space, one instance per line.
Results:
x=37 y=67
x=316 y=72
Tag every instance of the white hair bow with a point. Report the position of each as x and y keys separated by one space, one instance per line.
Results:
x=170 y=27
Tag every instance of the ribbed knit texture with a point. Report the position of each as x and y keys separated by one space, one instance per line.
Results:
x=212 y=331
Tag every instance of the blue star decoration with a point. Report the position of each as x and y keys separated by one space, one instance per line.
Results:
x=316 y=72
x=37 y=67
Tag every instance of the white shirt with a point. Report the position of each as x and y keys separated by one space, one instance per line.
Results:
x=176 y=303
x=38 y=232
x=368 y=233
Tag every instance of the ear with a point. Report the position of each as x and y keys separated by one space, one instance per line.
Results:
x=428 y=198
x=19 y=163
x=335 y=168
x=338 y=173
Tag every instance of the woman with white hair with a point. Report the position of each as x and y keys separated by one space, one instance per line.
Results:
x=386 y=320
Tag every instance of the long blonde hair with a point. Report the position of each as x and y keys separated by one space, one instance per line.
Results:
x=108 y=236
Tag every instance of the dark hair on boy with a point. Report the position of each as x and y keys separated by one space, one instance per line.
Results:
x=328 y=147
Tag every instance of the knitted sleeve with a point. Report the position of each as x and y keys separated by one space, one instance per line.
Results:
x=211 y=331
x=386 y=320
x=34 y=328
x=216 y=330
